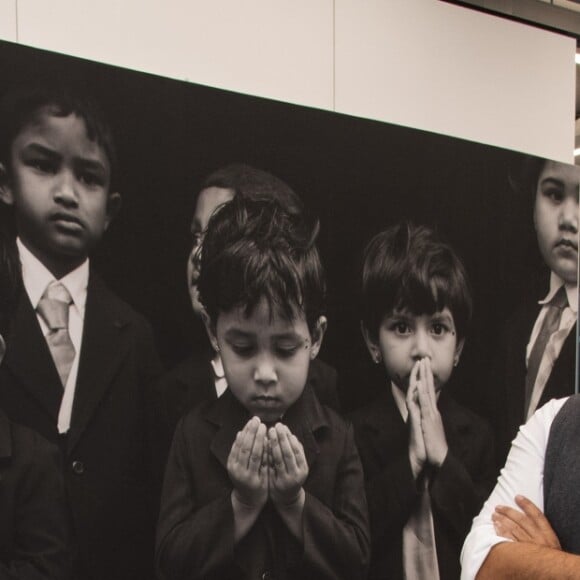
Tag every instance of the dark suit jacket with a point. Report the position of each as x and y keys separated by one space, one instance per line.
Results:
x=33 y=517
x=457 y=489
x=107 y=452
x=508 y=375
x=192 y=382
x=195 y=530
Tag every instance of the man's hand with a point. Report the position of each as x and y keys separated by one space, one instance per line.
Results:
x=287 y=466
x=247 y=466
x=431 y=424
x=529 y=525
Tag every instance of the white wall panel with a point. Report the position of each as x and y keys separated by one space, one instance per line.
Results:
x=452 y=70
x=272 y=48
x=8 y=20
x=421 y=63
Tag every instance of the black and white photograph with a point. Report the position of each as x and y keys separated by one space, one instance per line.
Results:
x=242 y=338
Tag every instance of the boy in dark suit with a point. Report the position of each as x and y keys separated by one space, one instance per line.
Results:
x=264 y=482
x=536 y=356
x=201 y=376
x=428 y=462
x=33 y=526
x=80 y=361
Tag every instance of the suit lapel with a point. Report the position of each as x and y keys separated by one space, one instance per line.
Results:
x=103 y=349
x=29 y=359
x=228 y=415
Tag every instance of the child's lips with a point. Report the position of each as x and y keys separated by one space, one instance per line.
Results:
x=67 y=221
x=567 y=244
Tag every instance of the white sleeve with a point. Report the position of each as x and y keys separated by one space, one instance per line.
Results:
x=523 y=474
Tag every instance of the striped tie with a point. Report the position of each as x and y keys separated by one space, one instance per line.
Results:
x=53 y=309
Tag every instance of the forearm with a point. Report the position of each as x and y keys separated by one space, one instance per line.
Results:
x=525 y=561
x=291 y=515
x=245 y=517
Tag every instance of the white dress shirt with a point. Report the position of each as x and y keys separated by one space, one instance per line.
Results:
x=220 y=381
x=36 y=278
x=556 y=341
x=523 y=474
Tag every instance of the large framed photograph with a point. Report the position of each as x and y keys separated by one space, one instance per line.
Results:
x=358 y=177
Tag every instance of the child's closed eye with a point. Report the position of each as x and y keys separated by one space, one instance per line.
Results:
x=42 y=165
x=287 y=349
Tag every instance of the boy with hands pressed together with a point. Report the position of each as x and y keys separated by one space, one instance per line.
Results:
x=264 y=482
x=427 y=461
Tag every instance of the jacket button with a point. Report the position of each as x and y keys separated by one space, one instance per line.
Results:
x=78 y=467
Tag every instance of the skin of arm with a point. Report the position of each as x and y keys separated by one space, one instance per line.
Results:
x=522 y=475
x=249 y=476
x=527 y=561
x=287 y=472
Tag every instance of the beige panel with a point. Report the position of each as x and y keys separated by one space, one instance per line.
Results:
x=452 y=70
x=8 y=20
x=272 y=48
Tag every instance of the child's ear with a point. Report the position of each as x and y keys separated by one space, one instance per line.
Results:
x=372 y=346
x=5 y=189
x=458 y=351
x=210 y=329
x=113 y=206
x=317 y=336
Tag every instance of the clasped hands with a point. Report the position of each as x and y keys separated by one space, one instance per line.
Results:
x=427 y=441
x=267 y=463
x=529 y=525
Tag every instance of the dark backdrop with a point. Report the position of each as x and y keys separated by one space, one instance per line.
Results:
x=358 y=175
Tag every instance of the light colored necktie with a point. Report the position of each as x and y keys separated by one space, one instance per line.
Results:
x=419 y=549
x=550 y=325
x=53 y=309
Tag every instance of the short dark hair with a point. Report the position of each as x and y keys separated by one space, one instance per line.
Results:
x=19 y=107
x=410 y=267
x=254 y=250
x=253 y=183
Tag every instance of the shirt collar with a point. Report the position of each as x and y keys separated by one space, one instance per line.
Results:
x=36 y=277
x=571 y=292
x=218 y=367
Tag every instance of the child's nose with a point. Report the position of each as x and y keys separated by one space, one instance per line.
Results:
x=569 y=214
x=421 y=345
x=265 y=371
x=65 y=190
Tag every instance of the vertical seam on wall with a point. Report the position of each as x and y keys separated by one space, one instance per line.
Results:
x=16 y=19
x=334 y=55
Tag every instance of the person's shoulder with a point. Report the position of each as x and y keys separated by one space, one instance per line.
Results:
x=99 y=291
x=373 y=413
x=461 y=417
x=188 y=371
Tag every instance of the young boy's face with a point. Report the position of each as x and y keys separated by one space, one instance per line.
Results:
x=208 y=200
x=405 y=338
x=58 y=182
x=556 y=218
x=265 y=357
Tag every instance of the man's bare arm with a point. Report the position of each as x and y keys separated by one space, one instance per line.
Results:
x=526 y=561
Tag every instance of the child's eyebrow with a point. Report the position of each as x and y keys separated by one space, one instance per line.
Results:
x=238 y=333
x=40 y=149
x=552 y=181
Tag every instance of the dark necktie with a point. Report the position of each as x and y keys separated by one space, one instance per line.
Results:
x=550 y=325
x=53 y=308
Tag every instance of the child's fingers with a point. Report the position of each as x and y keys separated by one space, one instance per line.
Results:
x=430 y=382
x=298 y=451
x=286 y=448
x=235 y=450
x=248 y=436
x=277 y=460
x=258 y=448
